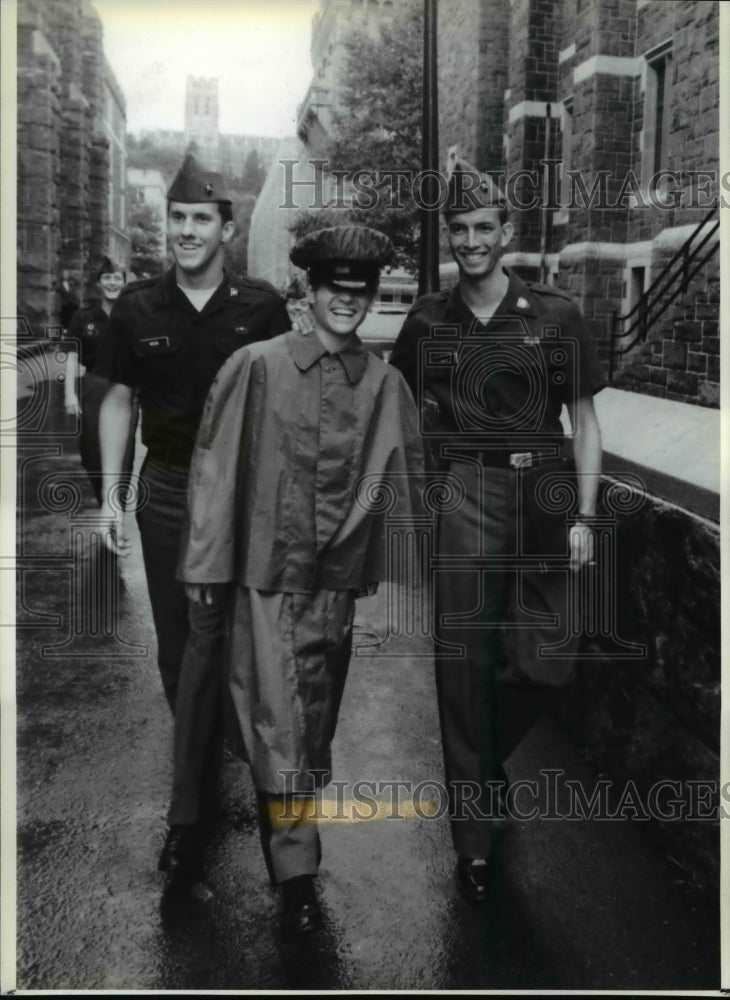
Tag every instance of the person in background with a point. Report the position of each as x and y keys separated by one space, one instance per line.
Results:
x=84 y=387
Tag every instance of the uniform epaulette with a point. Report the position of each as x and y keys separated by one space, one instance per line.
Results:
x=427 y=300
x=536 y=286
x=135 y=286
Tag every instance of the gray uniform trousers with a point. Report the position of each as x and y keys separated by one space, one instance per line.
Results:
x=190 y=640
x=492 y=618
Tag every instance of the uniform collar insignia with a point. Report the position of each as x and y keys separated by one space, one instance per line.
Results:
x=522 y=303
x=233 y=293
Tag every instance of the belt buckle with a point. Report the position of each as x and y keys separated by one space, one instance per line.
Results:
x=520 y=459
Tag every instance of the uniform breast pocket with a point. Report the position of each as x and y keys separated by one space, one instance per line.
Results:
x=159 y=358
x=228 y=341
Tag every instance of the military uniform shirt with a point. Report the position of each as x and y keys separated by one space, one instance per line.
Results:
x=88 y=326
x=504 y=382
x=161 y=345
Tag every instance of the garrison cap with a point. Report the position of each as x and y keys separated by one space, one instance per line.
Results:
x=468 y=189
x=349 y=255
x=193 y=185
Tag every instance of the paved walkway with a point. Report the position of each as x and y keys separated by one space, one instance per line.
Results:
x=584 y=905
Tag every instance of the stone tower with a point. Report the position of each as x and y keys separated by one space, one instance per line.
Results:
x=201 y=119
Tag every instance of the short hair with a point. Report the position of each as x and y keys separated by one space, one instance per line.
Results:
x=225 y=209
x=110 y=266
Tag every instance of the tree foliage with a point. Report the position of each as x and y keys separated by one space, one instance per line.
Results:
x=377 y=127
x=236 y=250
x=254 y=173
x=147 y=241
x=147 y=154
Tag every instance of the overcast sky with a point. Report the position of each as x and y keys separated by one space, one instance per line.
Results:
x=258 y=49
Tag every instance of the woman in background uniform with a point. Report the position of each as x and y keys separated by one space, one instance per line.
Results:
x=84 y=389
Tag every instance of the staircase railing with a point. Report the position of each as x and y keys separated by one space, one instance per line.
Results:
x=672 y=281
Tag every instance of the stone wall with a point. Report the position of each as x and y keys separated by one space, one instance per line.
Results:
x=532 y=84
x=63 y=160
x=39 y=160
x=596 y=284
x=590 y=56
x=473 y=40
x=681 y=357
x=98 y=159
x=657 y=717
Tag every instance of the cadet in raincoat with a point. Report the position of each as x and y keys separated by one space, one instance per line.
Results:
x=300 y=437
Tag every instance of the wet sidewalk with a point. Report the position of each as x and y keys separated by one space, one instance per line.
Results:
x=578 y=905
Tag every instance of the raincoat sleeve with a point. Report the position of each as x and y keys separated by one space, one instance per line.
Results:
x=207 y=549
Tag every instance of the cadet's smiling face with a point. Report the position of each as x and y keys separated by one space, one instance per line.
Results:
x=110 y=284
x=197 y=235
x=477 y=239
x=337 y=310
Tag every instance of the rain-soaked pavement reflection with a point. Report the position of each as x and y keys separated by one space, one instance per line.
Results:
x=576 y=905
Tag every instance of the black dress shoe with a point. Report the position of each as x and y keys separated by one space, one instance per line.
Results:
x=183 y=851
x=301 y=913
x=475 y=878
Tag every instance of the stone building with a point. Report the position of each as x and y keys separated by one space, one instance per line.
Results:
x=201 y=118
x=622 y=96
x=621 y=99
x=217 y=150
x=114 y=123
x=71 y=159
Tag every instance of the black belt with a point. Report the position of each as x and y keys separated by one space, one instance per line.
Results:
x=175 y=459
x=502 y=459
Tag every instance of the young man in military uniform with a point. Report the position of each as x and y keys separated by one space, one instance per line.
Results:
x=500 y=357
x=167 y=338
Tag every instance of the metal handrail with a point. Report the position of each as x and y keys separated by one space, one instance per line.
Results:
x=689 y=264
